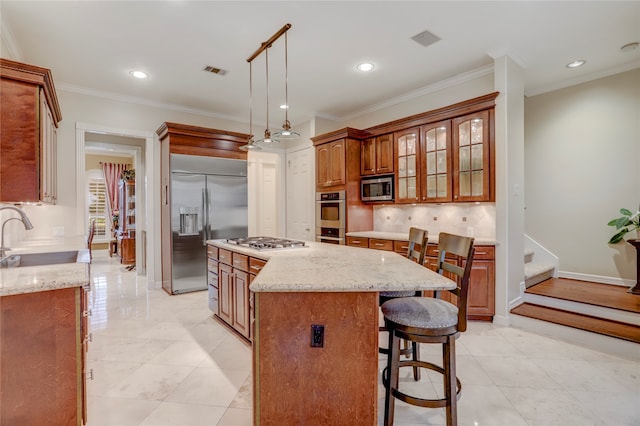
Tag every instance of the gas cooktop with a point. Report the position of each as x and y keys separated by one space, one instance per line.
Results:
x=263 y=243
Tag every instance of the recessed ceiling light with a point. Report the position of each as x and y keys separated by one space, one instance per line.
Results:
x=139 y=74
x=630 y=47
x=365 y=67
x=576 y=64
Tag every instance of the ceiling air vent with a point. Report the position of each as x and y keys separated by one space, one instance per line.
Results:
x=425 y=38
x=214 y=70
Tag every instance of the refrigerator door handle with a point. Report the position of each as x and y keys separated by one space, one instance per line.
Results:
x=205 y=231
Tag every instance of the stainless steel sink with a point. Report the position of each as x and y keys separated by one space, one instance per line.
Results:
x=50 y=258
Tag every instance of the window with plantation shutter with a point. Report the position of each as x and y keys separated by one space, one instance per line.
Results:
x=97 y=206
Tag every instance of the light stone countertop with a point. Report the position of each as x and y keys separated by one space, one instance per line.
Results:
x=322 y=267
x=399 y=236
x=30 y=279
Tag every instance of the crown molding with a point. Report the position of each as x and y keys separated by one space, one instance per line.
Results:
x=440 y=85
x=582 y=79
x=71 y=88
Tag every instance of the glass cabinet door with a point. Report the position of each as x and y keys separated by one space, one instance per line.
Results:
x=436 y=155
x=407 y=149
x=471 y=157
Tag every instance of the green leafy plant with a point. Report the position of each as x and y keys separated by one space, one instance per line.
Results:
x=626 y=223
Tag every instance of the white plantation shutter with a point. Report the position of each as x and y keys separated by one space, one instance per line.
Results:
x=97 y=205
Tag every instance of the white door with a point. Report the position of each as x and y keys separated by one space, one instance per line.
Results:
x=301 y=195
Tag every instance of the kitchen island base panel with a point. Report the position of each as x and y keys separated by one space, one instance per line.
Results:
x=295 y=383
x=40 y=348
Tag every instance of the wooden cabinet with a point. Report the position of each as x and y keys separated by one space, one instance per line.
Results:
x=472 y=150
x=358 y=242
x=377 y=155
x=330 y=164
x=481 y=300
x=436 y=162
x=407 y=162
x=126 y=232
x=44 y=339
x=29 y=113
x=235 y=301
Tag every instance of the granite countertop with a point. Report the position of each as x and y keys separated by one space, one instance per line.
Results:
x=30 y=279
x=322 y=267
x=400 y=236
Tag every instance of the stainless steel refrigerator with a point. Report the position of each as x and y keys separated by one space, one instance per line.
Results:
x=208 y=201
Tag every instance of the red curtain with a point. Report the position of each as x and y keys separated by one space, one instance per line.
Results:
x=112 y=173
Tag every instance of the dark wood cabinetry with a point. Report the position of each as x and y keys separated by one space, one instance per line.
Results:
x=444 y=155
x=481 y=300
x=234 y=300
x=377 y=155
x=29 y=113
x=126 y=232
x=331 y=164
x=338 y=168
x=44 y=339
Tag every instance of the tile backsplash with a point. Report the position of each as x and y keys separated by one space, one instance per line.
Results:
x=477 y=220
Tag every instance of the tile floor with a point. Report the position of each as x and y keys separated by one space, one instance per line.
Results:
x=162 y=360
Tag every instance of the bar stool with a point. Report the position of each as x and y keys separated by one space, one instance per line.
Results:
x=415 y=251
x=430 y=320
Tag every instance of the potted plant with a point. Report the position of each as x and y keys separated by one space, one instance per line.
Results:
x=626 y=223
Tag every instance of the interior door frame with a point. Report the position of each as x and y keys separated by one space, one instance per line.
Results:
x=144 y=181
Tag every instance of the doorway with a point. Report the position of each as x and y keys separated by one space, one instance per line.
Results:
x=131 y=144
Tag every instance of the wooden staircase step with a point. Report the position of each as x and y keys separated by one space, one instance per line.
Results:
x=605 y=327
x=597 y=294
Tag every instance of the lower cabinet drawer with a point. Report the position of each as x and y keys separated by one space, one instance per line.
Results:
x=381 y=244
x=358 y=242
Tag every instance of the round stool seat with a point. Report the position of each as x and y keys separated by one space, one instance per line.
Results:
x=421 y=312
x=391 y=294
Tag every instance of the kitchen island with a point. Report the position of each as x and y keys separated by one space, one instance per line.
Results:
x=43 y=328
x=315 y=336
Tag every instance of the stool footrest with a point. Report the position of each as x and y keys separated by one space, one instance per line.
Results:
x=413 y=400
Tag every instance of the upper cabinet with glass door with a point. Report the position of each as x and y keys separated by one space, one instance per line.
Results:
x=407 y=143
x=471 y=157
x=436 y=162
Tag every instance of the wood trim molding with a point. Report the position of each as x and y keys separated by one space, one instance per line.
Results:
x=450 y=111
x=347 y=132
x=33 y=75
x=187 y=139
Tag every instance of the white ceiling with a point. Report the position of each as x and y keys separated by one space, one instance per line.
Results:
x=91 y=47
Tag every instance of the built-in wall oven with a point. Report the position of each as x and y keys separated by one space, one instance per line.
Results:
x=330 y=217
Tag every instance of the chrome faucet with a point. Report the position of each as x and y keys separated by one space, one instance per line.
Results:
x=25 y=221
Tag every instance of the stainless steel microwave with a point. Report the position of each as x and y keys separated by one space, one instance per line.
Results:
x=378 y=188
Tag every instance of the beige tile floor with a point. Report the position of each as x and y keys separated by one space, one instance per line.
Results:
x=161 y=360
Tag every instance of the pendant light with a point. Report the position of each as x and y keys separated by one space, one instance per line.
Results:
x=287 y=132
x=267 y=133
x=251 y=144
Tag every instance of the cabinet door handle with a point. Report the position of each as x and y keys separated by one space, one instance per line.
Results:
x=89 y=374
x=481 y=252
x=355 y=241
x=379 y=244
x=86 y=313
x=257 y=268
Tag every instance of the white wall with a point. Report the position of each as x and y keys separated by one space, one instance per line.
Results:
x=582 y=164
